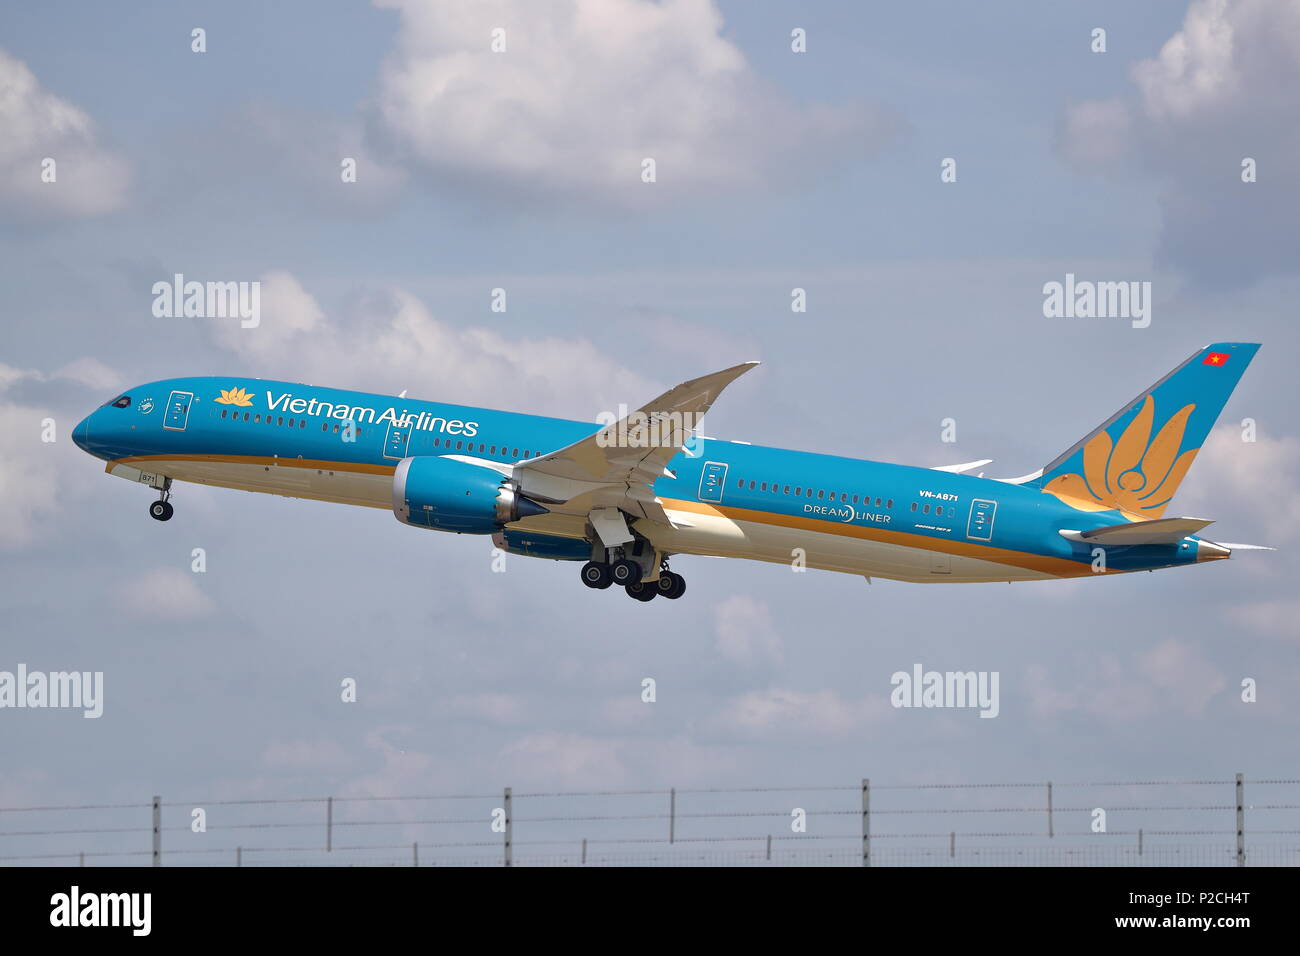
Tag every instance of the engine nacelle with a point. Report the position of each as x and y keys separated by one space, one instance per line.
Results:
x=515 y=541
x=449 y=495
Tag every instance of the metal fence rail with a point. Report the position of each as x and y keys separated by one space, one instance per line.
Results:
x=1110 y=823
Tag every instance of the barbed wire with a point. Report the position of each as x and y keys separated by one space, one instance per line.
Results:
x=674 y=819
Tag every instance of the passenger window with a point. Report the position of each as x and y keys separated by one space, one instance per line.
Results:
x=855 y=499
x=877 y=502
x=324 y=426
x=291 y=423
x=763 y=487
x=514 y=453
x=786 y=491
x=336 y=429
x=751 y=486
x=245 y=416
x=437 y=442
x=280 y=420
x=223 y=412
x=913 y=505
x=257 y=419
x=493 y=450
x=925 y=510
x=888 y=504
x=481 y=447
x=740 y=483
x=798 y=491
x=302 y=423
x=458 y=445
x=821 y=492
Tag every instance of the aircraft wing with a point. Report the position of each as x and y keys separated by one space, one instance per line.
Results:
x=617 y=465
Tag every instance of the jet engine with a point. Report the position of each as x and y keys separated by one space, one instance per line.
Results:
x=448 y=495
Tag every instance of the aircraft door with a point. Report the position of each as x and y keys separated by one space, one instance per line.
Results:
x=178 y=411
x=712 y=481
x=396 y=440
x=980 y=525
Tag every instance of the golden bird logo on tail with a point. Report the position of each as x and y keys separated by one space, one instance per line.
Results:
x=1136 y=475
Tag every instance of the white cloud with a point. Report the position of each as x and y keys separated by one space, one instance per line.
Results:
x=90 y=179
x=91 y=373
x=588 y=88
x=33 y=472
x=1172 y=676
x=1220 y=90
x=1257 y=479
x=287 y=311
x=744 y=632
x=165 y=593
x=1277 y=618
x=319 y=754
x=783 y=712
x=392 y=342
x=1183 y=673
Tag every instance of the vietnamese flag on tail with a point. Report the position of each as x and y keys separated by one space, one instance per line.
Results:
x=1215 y=358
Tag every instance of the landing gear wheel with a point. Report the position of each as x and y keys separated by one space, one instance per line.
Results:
x=160 y=510
x=671 y=585
x=596 y=575
x=641 y=592
x=625 y=572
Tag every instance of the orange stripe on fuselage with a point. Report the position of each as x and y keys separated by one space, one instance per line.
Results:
x=968 y=549
x=353 y=466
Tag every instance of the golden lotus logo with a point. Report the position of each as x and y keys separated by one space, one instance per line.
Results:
x=1137 y=474
x=235 y=396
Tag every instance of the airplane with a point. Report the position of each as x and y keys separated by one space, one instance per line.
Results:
x=624 y=497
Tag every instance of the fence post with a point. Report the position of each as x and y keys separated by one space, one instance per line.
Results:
x=769 y=847
x=1241 y=825
x=584 y=849
x=329 y=824
x=866 y=822
x=239 y=856
x=1050 y=829
x=952 y=845
x=672 y=814
x=415 y=853
x=509 y=861
x=1139 y=841
x=83 y=859
x=157 y=831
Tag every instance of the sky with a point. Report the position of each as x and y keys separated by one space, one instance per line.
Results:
x=522 y=170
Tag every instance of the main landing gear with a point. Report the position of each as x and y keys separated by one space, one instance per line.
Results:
x=161 y=510
x=627 y=573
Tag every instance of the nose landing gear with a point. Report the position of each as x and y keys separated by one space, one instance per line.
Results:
x=161 y=510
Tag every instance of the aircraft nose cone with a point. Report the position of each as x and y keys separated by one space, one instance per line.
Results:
x=81 y=434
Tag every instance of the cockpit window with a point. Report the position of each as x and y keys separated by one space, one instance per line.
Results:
x=121 y=402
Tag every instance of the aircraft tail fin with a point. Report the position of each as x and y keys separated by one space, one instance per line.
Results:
x=1134 y=461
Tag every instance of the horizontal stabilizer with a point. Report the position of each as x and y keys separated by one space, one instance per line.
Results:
x=958 y=469
x=1244 y=547
x=1158 y=531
